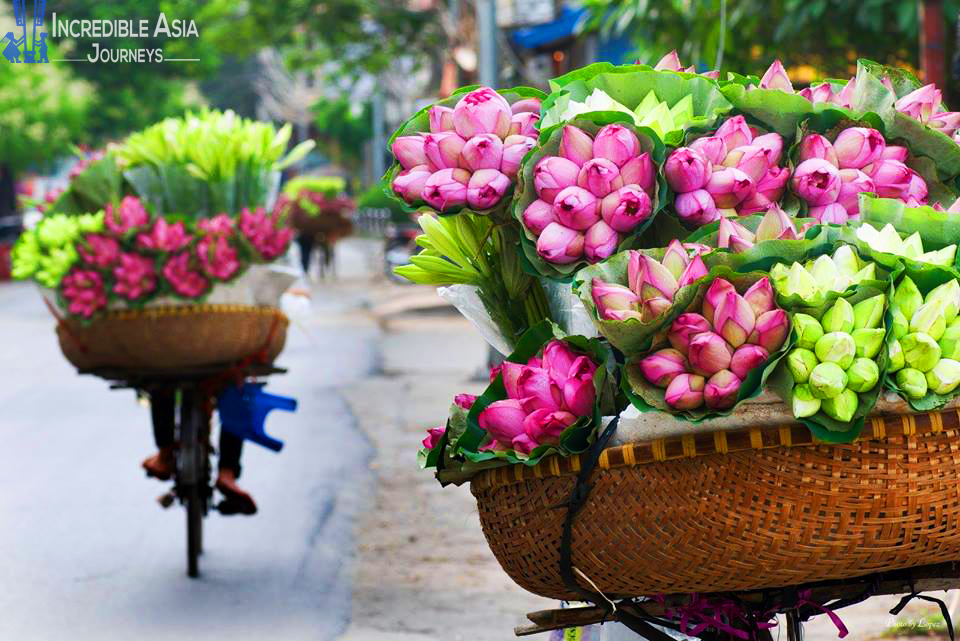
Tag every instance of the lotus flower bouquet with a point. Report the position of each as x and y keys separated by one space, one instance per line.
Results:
x=887 y=240
x=721 y=349
x=924 y=346
x=735 y=171
x=813 y=282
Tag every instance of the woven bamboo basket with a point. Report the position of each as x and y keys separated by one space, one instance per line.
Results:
x=174 y=337
x=731 y=511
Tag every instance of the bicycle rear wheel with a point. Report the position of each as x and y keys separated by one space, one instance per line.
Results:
x=194 y=530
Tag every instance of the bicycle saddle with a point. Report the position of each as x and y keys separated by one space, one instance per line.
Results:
x=244 y=409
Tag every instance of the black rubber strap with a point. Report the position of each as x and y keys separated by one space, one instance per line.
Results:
x=916 y=595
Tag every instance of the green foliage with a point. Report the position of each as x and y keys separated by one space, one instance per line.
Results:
x=342 y=130
x=329 y=186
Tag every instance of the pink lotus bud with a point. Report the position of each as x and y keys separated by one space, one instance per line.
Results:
x=654 y=279
x=773 y=143
x=553 y=174
x=98 y=250
x=576 y=145
x=524 y=124
x=685 y=392
x=543 y=427
x=821 y=93
x=135 y=276
x=693 y=272
x=511 y=374
x=728 y=229
x=538 y=390
x=527 y=104
x=916 y=191
x=514 y=150
x=729 y=187
x=832 y=214
x=776 y=78
x=746 y=358
x=409 y=184
x=654 y=308
x=538 y=215
x=486 y=188
x=685 y=327
x=218 y=259
x=441 y=119
x=610 y=297
x=577 y=208
x=752 y=160
x=696 y=207
x=443 y=149
x=600 y=176
x=165 y=237
x=84 y=291
x=721 y=390
x=895 y=152
x=661 y=367
x=686 y=170
x=711 y=147
x=845 y=97
x=771 y=330
x=755 y=202
x=772 y=184
x=626 y=208
x=434 y=434
x=409 y=151
x=562 y=362
x=817 y=182
x=739 y=245
x=446 y=189
x=184 y=278
x=713 y=74
x=816 y=146
x=734 y=132
x=857 y=147
x=920 y=103
x=760 y=296
x=675 y=258
x=579 y=393
x=891 y=178
x=715 y=293
x=482 y=111
x=503 y=420
x=708 y=353
x=670 y=62
x=639 y=171
x=560 y=245
x=600 y=242
x=129 y=216
x=483 y=151
x=616 y=143
x=775 y=224
x=855 y=182
x=464 y=401
x=734 y=319
x=635 y=271
x=947 y=122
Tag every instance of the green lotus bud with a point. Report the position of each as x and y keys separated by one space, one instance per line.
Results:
x=801 y=362
x=841 y=407
x=869 y=272
x=25 y=256
x=912 y=246
x=948 y=295
x=808 y=329
x=862 y=375
x=888 y=240
x=827 y=380
x=845 y=261
x=929 y=320
x=836 y=347
x=839 y=318
x=900 y=326
x=950 y=341
x=944 y=377
x=779 y=272
x=907 y=297
x=57 y=230
x=944 y=257
x=920 y=351
x=90 y=223
x=800 y=282
x=912 y=382
x=804 y=402
x=894 y=356
x=868 y=313
x=868 y=341
x=823 y=270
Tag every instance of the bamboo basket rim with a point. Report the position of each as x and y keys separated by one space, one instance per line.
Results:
x=687 y=446
x=187 y=309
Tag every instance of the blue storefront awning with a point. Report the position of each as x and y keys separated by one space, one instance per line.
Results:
x=542 y=35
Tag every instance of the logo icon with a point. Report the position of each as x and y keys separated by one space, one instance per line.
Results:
x=37 y=52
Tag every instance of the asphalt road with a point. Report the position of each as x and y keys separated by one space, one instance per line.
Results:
x=87 y=553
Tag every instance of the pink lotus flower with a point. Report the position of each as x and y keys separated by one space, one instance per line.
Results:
x=734 y=319
x=543 y=427
x=685 y=327
x=773 y=143
x=538 y=390
x=721 y=390
x=708 y=353
x=639 y=171
x=617 y=143
x=675 y=258
x=670 y=62
x=184 y=279
x=84 y=292
x=484 y=151
x=776 y=78
x=99 y=251
x=264 y=233
x=129 y=216
x=821 y=93
x=760 y=297
x=776 y=224
x=221 y=224
x=409 y=183
x=434 y=434
x=558 y=359
x=696 y=207
x=446 y=189
x=661 y=367
x=747 y=358
x=694 y=271
x=560 y=245
x=729 y=187
x=920 y=103
x=486 y=188
x=713 y=148
x=599 y=242
x=946 y=123
x=503 y=420
x=611 y=297
x=577 y=208
x=579 y=393
x=857 y=147
x=624 y=209
x=600 y=177
x=891 y=178
x=527 y=104
x=576 y=145
x=134 y=277
x=916 y=191
x=686 y=170
x=552 y=175
x=218 y=259
x=854 y=182
x=771 y=330
x=409 y=151
x=443 y=149
x=514 y=150
x=845 y=97
x=816 y=146
x=538 y=215
x=685 y=392
x=735 y=132
x=817 y=181
x=524 y=123
x=895 y=152
x=649 y=278
x=752 y=160
x=832 y=214
x=715 y=293
x=441 y=119
x=464 y=401
x=482 y=111
x=729 y=229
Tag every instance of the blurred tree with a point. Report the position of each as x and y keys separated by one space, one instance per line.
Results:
x=818 y=38
x=342 y=130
